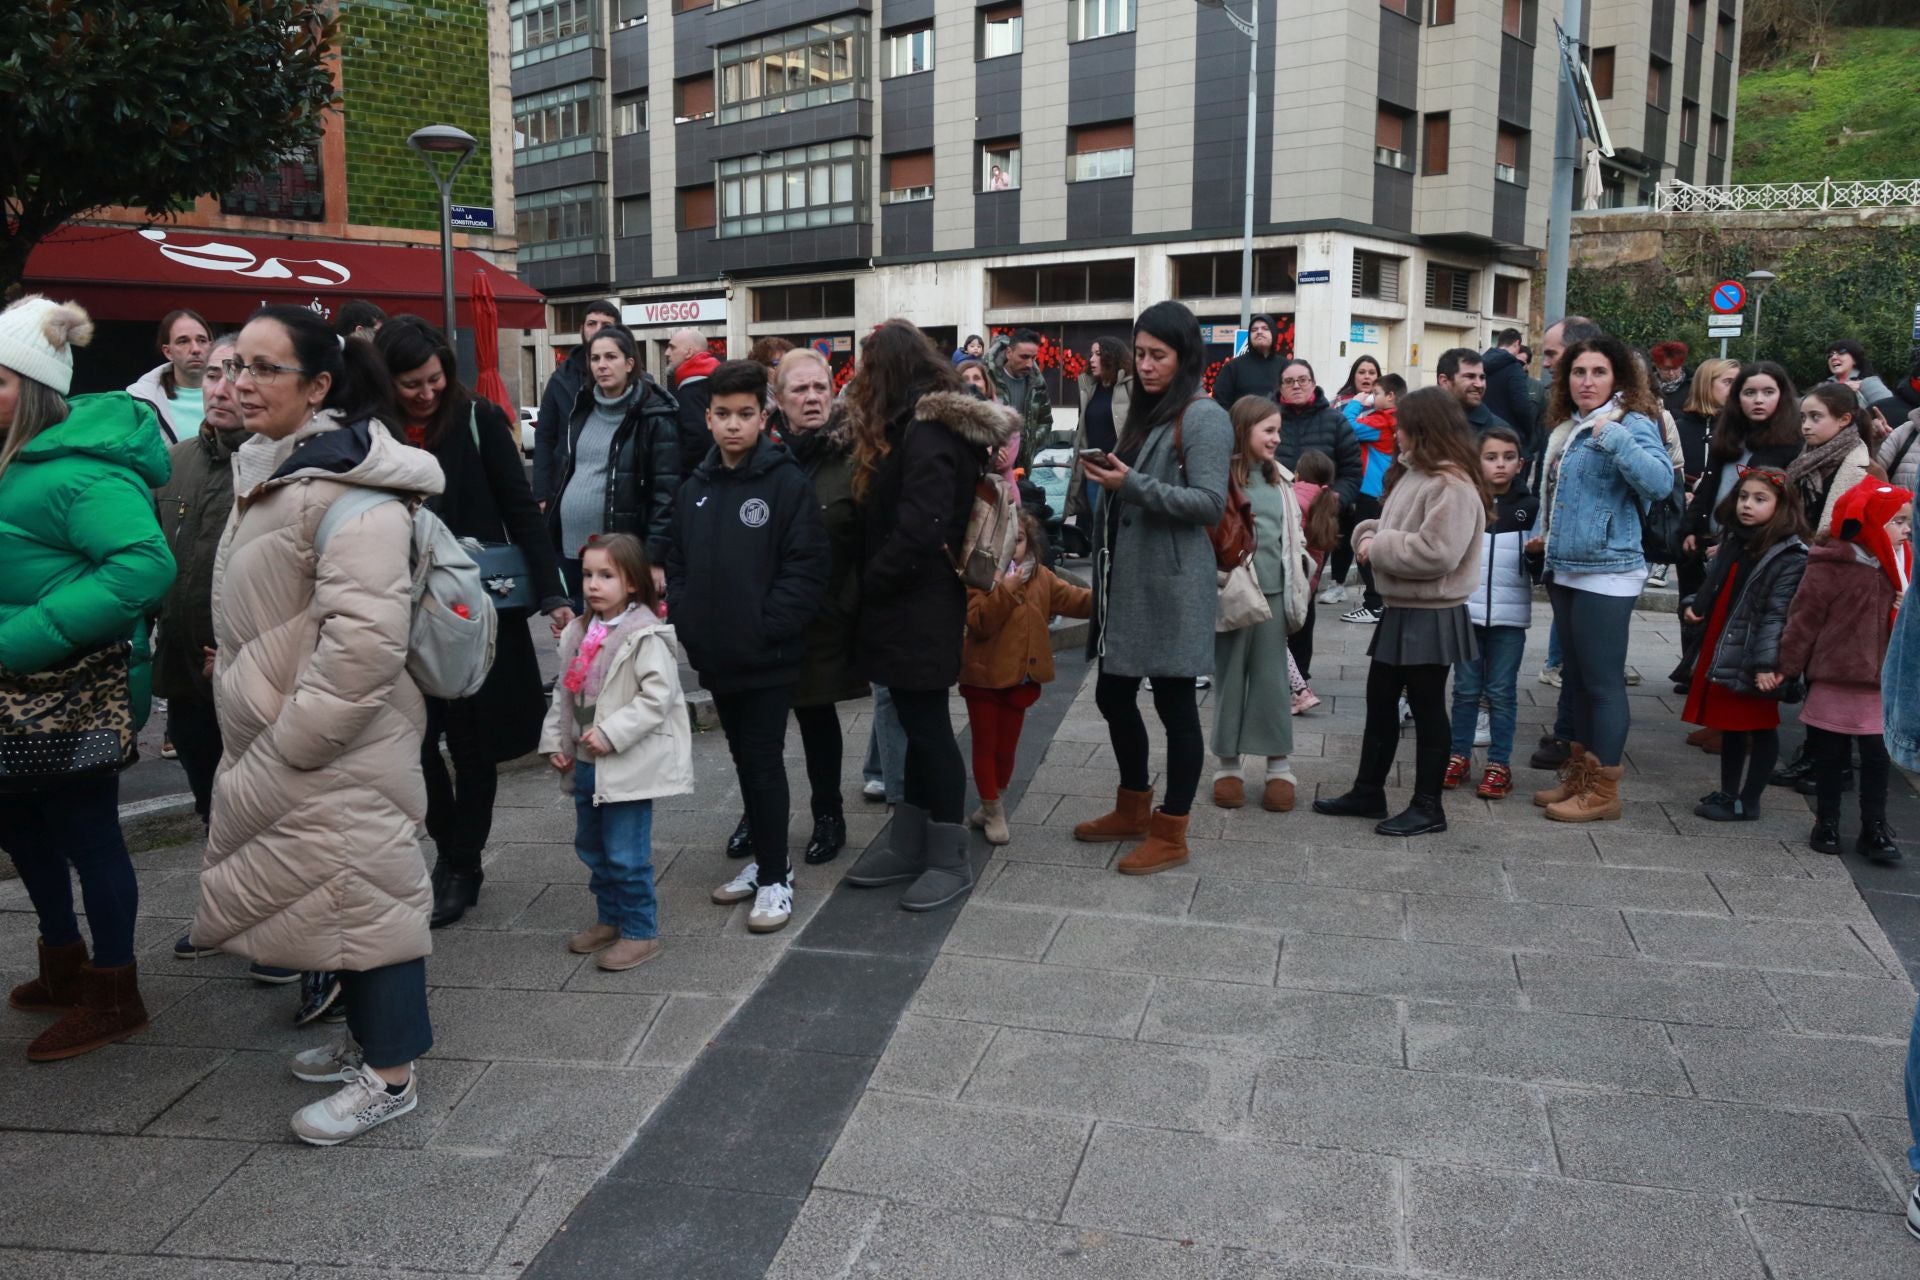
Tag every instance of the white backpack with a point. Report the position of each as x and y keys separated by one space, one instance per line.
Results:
x=448 y=656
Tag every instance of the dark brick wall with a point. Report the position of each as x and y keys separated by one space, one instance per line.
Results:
x=996 y=219
x=996 y=97
x=906 y=112
x=1097 y=209
x=629 y=59
x=906 y=228
x=631 y=175
x=1392 y=198
x=632 y=259
x=1100 y=80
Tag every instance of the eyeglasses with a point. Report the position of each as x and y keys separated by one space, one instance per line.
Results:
x=263 y=372
x=1296 y=382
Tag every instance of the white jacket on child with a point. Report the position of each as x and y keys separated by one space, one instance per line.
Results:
x=641 y=710
x=1503 y=596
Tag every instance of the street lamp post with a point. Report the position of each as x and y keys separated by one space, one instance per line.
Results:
x=1758 y=282
x=444 y=140
x=1250 y=28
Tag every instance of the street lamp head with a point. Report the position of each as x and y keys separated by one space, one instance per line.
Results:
x=1760 y=279
x=442 y=139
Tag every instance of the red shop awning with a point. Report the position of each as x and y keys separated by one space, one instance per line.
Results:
x=141 y=273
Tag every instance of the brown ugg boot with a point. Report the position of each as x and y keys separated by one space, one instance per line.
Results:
x=1600 y=802
x=994 y=822
x=1131 y=809
x=58 y=986
x=1573 y=778
x=1277 y=796
x=1166 y=846
x=1229 y=792
x=110 y=1009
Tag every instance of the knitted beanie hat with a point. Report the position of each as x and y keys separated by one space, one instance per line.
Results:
x=37 y=338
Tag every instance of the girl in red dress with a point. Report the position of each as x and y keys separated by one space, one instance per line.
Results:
x=1744 y=599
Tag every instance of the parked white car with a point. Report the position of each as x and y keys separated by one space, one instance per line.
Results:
x=529 y=416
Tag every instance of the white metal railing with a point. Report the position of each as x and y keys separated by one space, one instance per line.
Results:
x=1878 y=193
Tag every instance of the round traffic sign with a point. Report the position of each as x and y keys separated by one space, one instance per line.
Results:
x=1727 y=297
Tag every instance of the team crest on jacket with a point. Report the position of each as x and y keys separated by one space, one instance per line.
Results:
x=753 y=513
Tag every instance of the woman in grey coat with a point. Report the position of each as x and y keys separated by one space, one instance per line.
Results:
x=1154 y=588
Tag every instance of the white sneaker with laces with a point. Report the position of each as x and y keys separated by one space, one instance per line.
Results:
x=1550 y=676
x=875 y=790
x=1913 y=1214
x=772 y=908
x=1361 y=615
x=358 y=1107
x=1336 y=594
x=741 y=887
x=340 y=1060
x=1406 y=711
x=1482 y=731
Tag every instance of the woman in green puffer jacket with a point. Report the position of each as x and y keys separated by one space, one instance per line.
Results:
x=85 y=565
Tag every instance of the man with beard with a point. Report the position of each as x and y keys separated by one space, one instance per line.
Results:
x=1463 y=375
x=1255 y=371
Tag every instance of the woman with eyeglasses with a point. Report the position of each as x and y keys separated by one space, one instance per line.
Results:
x=1307 y=421
x=486 y=499
x=312 y=860
x=85 y=563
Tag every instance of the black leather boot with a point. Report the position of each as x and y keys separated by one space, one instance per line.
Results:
x=829 y=837
x=456 y=887
x=1551 y=754
x=1367 y=798
x=1825 y=837
x=1422 y=816
x=1795 y=771
x=740 y=843
x=1876 y=843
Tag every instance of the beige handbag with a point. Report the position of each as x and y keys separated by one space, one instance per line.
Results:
x=1242 y=602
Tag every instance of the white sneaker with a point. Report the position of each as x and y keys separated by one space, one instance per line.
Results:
x=1913 y=1214
x=875 y=790
x=1406 y=712
x=1482 y=731
x=772 y=908
x=358 y=1107
x=1550 y=676
x=1362 y=615
x=1657 y=575
x=1335 y=594
x=741 y=887
x=340 y=1060
x=1203 y=682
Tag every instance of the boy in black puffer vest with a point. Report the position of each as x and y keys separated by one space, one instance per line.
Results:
x=746 y=572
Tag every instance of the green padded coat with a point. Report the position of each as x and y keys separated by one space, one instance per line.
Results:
x=86 y=563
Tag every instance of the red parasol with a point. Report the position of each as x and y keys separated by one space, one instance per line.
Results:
x=489 y=385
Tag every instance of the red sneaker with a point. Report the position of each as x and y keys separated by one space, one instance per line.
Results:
x=1496 y=783
x=1457 y=767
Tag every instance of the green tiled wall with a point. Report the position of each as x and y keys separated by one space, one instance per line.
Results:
x=405 y=64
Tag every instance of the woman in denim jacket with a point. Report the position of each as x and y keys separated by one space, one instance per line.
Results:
x=1605 y=463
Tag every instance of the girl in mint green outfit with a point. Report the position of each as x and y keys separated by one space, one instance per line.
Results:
x=85 y=565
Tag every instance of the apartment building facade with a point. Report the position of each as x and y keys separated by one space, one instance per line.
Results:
x=807 y=168
x=1664 y=72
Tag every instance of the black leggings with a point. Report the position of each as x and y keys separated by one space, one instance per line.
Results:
x=936 y=774
x=1755 y=750
x=820 y=739
x=1361 y=509
x=1300 y=643
x=1426 y=689
x=1176 y=702
x=1832 y=756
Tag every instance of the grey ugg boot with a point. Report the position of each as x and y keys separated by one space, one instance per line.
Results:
x=948 y=875
x=902 y=858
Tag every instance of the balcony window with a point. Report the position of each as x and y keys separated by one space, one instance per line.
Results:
x=1697 y=19
x=1450 y=288
x=560 y=122
x=1510 y=155
x=1600 y=71
x=1507 y=292
x=1376 y=276
x=1433 y=147
x=786 y=303
x=1717 y=136
x=907 y=52
x=1091 y=19
x=1393 y=138
x=292 y=189
x=630 y=115
x=1062 y=285
x=693 y=99
x=1000 y=165
x=634 y=215
x=1217 y=275
x=1098 y=151
x=566 y=223
x=1000 y=31
x=1658 y=73
x=1512 y=17
x=792 y=70
x=909 y=177
x=1723 y=37
x=541 y=29
x=817 y=186
x=1689 y=123
x=696 y=208
x=1442 y=13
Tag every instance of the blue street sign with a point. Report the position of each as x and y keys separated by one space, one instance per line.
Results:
x=1728 y=297
x=1315 y=277
x=1916 y=324
x=1239 y=341
x=472 y=217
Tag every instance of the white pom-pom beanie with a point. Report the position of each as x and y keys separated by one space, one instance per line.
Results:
x=37 y=338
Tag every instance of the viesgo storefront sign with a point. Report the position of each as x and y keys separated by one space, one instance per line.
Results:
x=666 y=312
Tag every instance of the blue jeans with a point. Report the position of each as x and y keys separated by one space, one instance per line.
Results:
x=1913 y=1093
x=387 y=1012
x=75 y=825
x=1495 y=675
x=1553 y=643
x=886 y=748
x=615 y=840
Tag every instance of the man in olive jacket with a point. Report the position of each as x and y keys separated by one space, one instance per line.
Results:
x=1014 y=364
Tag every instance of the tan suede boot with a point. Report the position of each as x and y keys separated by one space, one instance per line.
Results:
x=1131 y=809
x=1600 y=802
x=109 y=1009
x=1165 y=847
x=993 y=821
x=1573 y=778
x=58 y=986
x=1229 y=792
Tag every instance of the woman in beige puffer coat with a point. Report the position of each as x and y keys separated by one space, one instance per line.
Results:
x=312 y=860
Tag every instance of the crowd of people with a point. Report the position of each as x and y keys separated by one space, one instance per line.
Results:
x=800 y=548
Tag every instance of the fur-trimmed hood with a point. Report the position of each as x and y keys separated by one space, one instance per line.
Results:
x=978 y=422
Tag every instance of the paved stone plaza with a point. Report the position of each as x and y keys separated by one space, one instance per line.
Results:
x=1653 y=1048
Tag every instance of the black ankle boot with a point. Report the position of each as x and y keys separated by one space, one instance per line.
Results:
x=1422 y=816
x=1552 y=753
x=1795 y=771
x=740 y=843
x=1876 y=843
x=1362 y=801
x=455 y=888
x=1825 y=837
x=829 y=837
x=1809 y=786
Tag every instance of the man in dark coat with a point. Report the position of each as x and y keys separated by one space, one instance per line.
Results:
x=1463 y=375
x=556 y=404
x=1255 y=371
x=1508 y=396
x=689 y=362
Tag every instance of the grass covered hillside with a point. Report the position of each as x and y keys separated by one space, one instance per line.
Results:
x=1856 y=116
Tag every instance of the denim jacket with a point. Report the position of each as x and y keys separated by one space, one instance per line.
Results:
x=1900 y=689
x=1606 y=478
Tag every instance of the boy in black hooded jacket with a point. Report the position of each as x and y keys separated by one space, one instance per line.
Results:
x=746 y=572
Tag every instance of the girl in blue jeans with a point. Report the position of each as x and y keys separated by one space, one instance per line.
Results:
x=1500 y=608
x=618 y=727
